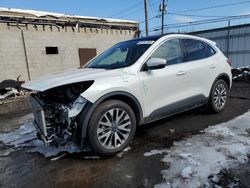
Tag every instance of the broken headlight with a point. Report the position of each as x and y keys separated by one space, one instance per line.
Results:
x=66 y=94
x=77 y=106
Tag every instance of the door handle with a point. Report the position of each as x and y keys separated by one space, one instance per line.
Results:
x=180 y=73
x=212 y=66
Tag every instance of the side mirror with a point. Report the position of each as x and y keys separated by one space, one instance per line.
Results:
x=155 y=63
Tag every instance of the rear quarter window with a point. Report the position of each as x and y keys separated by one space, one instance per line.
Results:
x=209 y=49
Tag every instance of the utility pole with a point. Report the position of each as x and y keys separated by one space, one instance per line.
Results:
x=146 y=15
x=228 y=38
x=163 y=10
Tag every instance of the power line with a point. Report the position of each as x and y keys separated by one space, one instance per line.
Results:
x=200 y=22
x=191 y=15
x=216 y=6
x=207 y=21
x=127 y=9
x=151 y=8
x=131 y=12
x=154 y=17
x=198 y=9
x=195 y=15
x=135 y=11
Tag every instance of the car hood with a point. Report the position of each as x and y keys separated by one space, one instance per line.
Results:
x=68 y=77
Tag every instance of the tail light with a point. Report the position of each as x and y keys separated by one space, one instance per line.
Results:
x=229 y=62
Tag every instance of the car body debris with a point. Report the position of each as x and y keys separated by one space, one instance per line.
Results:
x=10 y=87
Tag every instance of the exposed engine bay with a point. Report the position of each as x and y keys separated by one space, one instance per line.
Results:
x=55 y=111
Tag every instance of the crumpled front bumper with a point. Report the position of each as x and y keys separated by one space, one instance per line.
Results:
x=39 y=120
x=66 y=120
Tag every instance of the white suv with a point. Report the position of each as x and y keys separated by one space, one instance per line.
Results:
x=133 y=83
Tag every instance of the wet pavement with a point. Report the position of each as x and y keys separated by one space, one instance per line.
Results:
x=128 y=169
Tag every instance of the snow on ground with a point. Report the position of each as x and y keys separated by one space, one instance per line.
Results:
x=25 y=136
x=198 y=160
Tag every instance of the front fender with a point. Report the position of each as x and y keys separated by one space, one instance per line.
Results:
x=85 y=115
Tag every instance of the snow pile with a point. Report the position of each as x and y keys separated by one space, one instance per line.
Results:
x=154 y=152
x=25 y=136
x=186 y=172
x=198 y=163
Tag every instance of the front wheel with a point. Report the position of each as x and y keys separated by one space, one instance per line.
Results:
x=112 y=127
x=218 y=96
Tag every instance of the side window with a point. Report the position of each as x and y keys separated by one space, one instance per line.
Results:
x=194 y=50
x=170 y=51
x=209 y=49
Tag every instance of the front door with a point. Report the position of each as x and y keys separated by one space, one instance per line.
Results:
x=164 y=87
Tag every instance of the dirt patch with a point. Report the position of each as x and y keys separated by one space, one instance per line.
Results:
x=13 y=112
x=15 y=106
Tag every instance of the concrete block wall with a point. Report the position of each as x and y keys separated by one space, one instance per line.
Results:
x=68 y=40
x=12 y=59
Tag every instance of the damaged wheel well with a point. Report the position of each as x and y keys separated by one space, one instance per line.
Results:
x=225 y=78
x=129 y=99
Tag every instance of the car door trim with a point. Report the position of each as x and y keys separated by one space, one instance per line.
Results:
x=175 y=108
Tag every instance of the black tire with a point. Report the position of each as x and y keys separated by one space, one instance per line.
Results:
x=94 y=125
x=213 y=105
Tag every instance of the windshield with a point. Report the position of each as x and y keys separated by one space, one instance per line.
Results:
x=121 y=55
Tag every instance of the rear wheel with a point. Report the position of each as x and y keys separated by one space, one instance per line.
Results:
x=112 y=127
x=218 y=96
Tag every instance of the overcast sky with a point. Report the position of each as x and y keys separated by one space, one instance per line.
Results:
x=134 y=10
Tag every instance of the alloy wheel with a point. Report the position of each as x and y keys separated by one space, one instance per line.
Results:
x=220 y=96
x=114 y=128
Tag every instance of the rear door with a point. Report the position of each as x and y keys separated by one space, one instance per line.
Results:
x=200 y=67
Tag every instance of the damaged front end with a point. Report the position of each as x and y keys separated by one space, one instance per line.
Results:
x=56 y=110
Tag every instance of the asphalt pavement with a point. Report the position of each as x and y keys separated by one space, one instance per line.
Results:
x=128 y=169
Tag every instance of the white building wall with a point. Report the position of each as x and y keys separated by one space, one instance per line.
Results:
x=12 y=55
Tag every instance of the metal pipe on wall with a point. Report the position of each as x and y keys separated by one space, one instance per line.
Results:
x=25 y=52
